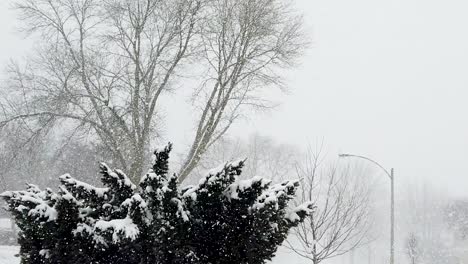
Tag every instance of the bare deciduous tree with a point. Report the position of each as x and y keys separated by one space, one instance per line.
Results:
x=102 y=66
x=244 y=43
x=340 y=222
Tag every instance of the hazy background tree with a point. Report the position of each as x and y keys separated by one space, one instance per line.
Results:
x=456 y=216
x=22 y=158
x=412 y=249
x=423 y=215
x=264 y=156
x=25 y=158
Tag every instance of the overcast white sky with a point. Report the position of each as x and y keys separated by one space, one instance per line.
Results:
x=385 y=79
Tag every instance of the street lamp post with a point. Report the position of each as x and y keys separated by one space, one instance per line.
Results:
x=392 y=201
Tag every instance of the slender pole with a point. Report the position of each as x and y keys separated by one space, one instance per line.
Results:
x=392 y=218
x=392 y=201
x=369 y=254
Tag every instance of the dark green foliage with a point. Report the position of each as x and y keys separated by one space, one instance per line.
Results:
x=221 y=220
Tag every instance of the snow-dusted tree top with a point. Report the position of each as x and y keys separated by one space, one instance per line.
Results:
x=219 y=220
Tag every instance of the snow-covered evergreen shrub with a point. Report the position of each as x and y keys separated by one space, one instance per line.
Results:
x=220 y=220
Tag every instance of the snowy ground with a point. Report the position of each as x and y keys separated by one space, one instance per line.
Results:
x=7 y=255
